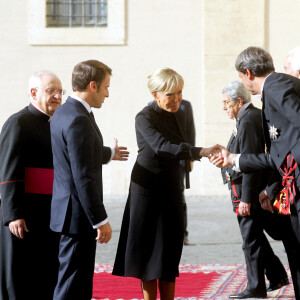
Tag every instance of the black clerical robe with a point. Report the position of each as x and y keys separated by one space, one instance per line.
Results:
x=29 y=266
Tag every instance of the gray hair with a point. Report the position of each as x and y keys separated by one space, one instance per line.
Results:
x=235 y=90
x=35 y=79
x=295 y=58
x=164 y=80
x=257 y=60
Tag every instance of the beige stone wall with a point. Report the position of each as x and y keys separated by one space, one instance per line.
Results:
x=226 y=32
x=283 y=29
x=198 y=38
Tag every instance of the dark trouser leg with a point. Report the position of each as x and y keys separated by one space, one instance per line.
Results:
x=252 y=235
x=77 y=260
x=274 y=269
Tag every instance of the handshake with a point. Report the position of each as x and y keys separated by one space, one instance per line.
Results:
x=218 y=156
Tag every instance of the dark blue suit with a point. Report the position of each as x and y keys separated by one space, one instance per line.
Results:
x=77 y=203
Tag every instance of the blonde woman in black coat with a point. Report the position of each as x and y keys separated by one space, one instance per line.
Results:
x=151 y=236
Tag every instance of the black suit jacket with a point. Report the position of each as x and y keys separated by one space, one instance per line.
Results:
x=281 y=110
x=249 y=139
x=78 y=155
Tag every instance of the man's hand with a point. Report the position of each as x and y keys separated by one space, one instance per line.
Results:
x=222 y=159
x=104 y=233
x=120 y=152
x=265 y=201
x=214 y=150
x=17 y=228
x=244 y=209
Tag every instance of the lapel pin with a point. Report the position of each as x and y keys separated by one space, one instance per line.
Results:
x=227 y=176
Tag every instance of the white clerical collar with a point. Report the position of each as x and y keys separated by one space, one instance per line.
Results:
x=241 y=111
x=84 y=103
x=39 y=109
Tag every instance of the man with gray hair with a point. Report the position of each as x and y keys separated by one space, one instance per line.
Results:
x=292 y=63
x=280 y=95
x=247 y=137
x=28 y=248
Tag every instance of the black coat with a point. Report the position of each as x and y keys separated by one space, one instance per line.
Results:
x=151 y=236
x=25 y=144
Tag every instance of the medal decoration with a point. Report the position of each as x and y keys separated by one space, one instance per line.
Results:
x=287 y=195
x=281 y=203
x=235 y=169
x=227 y=176
x=273 y=132
x=234 y=131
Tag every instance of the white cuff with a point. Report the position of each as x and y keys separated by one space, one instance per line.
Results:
x=99 y=224
x=112 y=154
x=236 y=162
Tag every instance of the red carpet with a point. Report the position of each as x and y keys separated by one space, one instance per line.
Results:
x=194 y=282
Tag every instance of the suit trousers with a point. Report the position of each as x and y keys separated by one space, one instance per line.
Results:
x=77 y=262
x=259 y=256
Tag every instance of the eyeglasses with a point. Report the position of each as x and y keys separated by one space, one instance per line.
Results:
x=229 y=103
x=51 y=91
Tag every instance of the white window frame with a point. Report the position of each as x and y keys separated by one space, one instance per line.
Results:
x=112 y=34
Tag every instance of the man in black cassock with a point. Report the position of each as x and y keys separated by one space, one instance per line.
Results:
x=28 y=248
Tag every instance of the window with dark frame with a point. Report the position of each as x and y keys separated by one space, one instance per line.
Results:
x=76 y=13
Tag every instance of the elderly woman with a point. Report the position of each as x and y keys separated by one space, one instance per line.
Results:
x=151 y=236
x=245 y=188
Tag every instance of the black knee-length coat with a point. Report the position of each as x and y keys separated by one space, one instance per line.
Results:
x=151 y=236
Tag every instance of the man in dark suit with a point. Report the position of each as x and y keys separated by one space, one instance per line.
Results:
x=281 y=124
x=247 y=137
x=77 y=210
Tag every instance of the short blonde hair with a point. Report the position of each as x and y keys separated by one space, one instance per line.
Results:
x=165 y=80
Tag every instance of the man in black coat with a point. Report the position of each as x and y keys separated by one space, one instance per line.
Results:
x=281 y=124
x=28 y=248
x=247 y=137
x=77 y=209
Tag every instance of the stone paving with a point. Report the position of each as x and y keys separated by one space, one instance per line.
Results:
x=213 y=232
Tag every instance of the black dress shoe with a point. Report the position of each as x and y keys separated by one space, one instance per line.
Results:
x=246 y=294
x=277 y=285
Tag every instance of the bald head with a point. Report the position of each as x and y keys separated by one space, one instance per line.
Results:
x=292 y=63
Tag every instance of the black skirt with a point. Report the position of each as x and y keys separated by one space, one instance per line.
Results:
x=151 y=237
